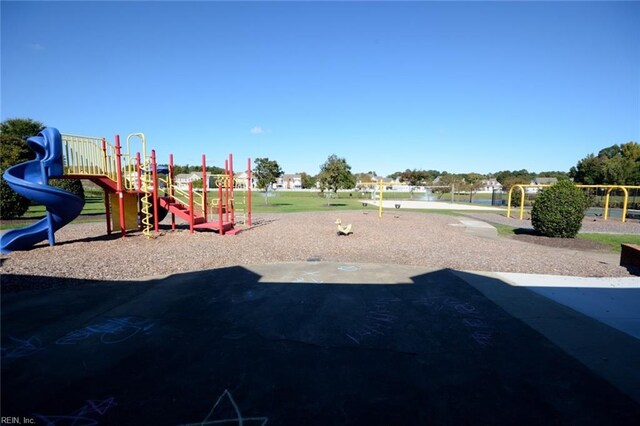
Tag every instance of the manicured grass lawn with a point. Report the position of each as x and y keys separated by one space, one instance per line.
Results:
x=613 y=240
x=94 y=205
x=504 y=230
x=289 y=201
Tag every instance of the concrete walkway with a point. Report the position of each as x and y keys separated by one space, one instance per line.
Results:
x=319 y=343
x=435 y=205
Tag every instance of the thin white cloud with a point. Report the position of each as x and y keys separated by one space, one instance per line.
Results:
x=35 y=46
x=257 y=130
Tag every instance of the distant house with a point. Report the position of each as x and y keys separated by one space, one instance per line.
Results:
x=489 y=186
x=182 y=180
x=370 y=181
x=366 y=180
x=288 y=181
x=540 y=181
x=544 y=181
x=241 y=181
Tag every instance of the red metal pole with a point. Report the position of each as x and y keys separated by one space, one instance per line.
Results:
x=191 y=207
x=173 y=216
x=204 y=187
x=119 y=186
x=154 y=178
x=233 y=208
x=249 y=191
x=220 y=227
x=107 y=207
x=226 y=190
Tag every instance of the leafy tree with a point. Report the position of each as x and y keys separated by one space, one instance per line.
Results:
x=588 y=171
x=186 y=169
x=554 y=174
x=266 y=173
x=610 y=152
x=73 y=186
x=412 y=177
x=614 y=165
x=417 y=177
x=521 y=176
x=22 y=128
x=394 y=175
x=559 y=210
x=14 y=150
x=615 y=170
x=178 y=170
x=431 y=175
x=198 y=184
x=473 y=182
x=509 y=182
x=307 y=181
x=335 y=174
x=509 y=178
x=451 y=180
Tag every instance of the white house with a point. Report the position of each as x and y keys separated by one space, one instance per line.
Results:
x=182 y=180
x=540 y=181
x=241 y=180
x=489 y=186
x=288 y=181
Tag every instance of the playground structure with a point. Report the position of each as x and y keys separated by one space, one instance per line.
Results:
x=609 y=189
x=138 y=193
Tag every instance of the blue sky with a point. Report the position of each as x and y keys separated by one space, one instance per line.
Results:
x=456 y=86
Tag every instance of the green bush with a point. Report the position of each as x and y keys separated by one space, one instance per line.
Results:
x=13 y=150
x=559 y=210
x=12 y=205
x=73 y=186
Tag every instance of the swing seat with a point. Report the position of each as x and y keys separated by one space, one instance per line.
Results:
x=343 y=230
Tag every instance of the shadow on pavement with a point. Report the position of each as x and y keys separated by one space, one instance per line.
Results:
x=219 y=346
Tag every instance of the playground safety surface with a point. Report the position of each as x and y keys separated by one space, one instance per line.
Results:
x=312 y=343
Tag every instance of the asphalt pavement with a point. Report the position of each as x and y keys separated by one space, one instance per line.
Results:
x=321 y=343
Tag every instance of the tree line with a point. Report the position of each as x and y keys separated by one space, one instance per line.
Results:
x=187 y=169
x=614 y=165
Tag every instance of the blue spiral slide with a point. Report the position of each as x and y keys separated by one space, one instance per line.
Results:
x=31 y=180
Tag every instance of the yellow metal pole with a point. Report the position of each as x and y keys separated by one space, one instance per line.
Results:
x=509 y=202
x=105 y=168
x=624 y=204
x=606 y=205
x=75 y=157
x=67 y=157
x=521 y=202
